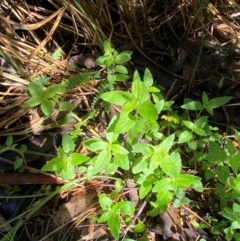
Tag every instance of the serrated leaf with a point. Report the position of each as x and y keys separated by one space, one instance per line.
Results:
x=223 y=173
x=47 y=107
x=67 y=143
x=122 y=58
x=216 y=153
x=114 y=225
x=105 y=202
x=121 y=69
x=185 y=136
x=163 y=184
x=54 y=164
x=128 y=107
x=77 y=158
x=95 y=144
x=107 y=47
x=145 y=188
x=147 y=78
x=33 y=101
x=164 y=197
x=52 y=90
x=193 y=105
x=148 y=111
x=125 y=123
x=139 y=165
x=116 y=148
x=125 y=207
x=186 y=180
x=137 y=85
x=121 y=77
x=104 y=217
x=171 y=165
x=117 y=97
x=66 y=106
x=103 y=158
x=121 y=160
x=35 y=89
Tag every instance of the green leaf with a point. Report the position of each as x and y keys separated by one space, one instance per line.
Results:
x=123 y=57
x=186 y=180
x=137 y=85
x=147 y=78
x=230 y=148
x=52 y=90
x=223 y=173
x=234 y=162
x=66 y=106
x=171 y=165
x=143 y=148
x=219 y=101
x=139 y=165
x=114 y=225
x=103 y=158
x=139 y=228
x=67 y=143
x=105 y=202
x=164 y=197
x=35 y=89
x=117 y=97
x=77 y=158
x=47 y=107
x=125 y=207
x=145 y=188
x=121 y=69
x=121 y=160
x=164 y=147
x=54 y=164
x=105 y=216
x=18 y=163
x=185 y=136
x=193 y=105
x=95 y=144
x=107 y=47
x=148 y=111
x=201 y=122
x=121 y=77
x=125 y=123
x=116 y=148
x=199 y=131
x=192 y=144
x=9 y=140
x=216 y=153
x=163 y=184
x=129 y=107
x=188 y=124
x=33 y=101
x=204 y=98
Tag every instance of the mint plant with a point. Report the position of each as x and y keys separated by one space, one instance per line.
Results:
x=64 y=165
x=148 y=141
x=47 y=98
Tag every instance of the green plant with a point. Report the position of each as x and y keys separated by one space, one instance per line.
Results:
x=64 y=165
x=148 y=140
x=47 y=98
